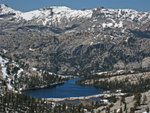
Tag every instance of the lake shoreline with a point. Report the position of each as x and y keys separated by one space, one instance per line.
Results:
x=84 y=97
x=50 y=85
x=44 y=87
x=66 y=90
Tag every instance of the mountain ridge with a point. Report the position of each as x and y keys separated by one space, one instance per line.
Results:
x=56 y=13
x=107 y=39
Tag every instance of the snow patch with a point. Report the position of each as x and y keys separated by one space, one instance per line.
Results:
x=119 y=25
x=105 y=101
x=113 y=25
x=149 y=16
x=3 y=66
x=91 y=43
x=118 y=110
x=127 y=39
x=9 y=87
x=100 y=73
x=107 y=25
x=34 y=69
x=31 y=49
x=5 y=51
x=19 y=72
x=120 y=71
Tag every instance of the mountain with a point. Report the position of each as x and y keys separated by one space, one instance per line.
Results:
x=67 y=41
x=47 y=16
x=18 y=76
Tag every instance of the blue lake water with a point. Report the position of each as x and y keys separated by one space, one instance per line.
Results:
x=68 y=89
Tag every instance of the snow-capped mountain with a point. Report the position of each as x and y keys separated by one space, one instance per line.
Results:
x=67 y=41
x=119 y=17
x=58 y=14
x=55 y=14
x=4 y=9
x=47 y=15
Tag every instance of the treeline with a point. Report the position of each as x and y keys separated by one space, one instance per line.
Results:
x=13 y=102
x=141 y=84
x=126 y=86
x=36 y=81
x=113 y=73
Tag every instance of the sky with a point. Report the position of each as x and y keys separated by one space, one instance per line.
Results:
x=28 y=5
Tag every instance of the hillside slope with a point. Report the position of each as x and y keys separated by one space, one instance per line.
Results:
x=67 y=41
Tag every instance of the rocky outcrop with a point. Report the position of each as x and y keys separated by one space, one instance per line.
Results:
x=146 y=62
x=60 y=40
x=18 y=76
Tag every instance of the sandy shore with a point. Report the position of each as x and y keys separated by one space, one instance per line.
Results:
x=83 y=97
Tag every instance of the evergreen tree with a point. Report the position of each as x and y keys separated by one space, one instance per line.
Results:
x=108 y=109
x=120 y=110
x=125 y=106
x=144 y=99
x=147 y=109
x=132 y=110
x=122 y=100
x=137 y=98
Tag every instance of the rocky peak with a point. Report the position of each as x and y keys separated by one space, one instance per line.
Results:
x=68 y=41
x=4 y=9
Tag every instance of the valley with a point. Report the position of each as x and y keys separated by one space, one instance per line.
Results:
x=60 y=60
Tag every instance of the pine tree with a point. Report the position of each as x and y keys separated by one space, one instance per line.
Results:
x=132 y=110
x=120 y=110
x=107 y=109
x=147 y=109
x=144 y=99
x=122 y=100
x=125 y=106
x=137 y=98
x=115 y=111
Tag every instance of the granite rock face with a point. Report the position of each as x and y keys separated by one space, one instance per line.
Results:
x=66 y=41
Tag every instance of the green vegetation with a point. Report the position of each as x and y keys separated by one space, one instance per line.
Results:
x=144 y=99
x=137 y=98
x=104 y=81
x=112 y=99
x=24 y=77
x=15 y=102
